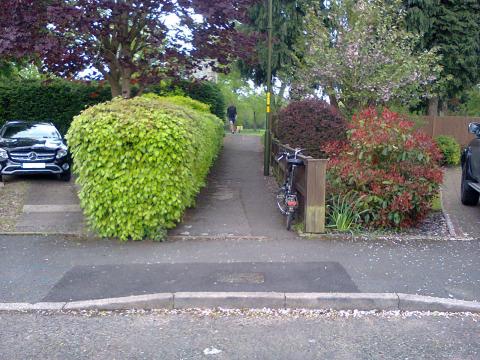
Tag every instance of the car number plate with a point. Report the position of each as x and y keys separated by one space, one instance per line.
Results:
x=33 y=165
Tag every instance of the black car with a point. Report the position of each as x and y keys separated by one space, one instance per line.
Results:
x=470 y=188
x=33 y=148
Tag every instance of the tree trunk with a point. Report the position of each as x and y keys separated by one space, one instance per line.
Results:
x=114 y=82
x=126 y=83
x=333 y=100
x=254 y=121
x=279 y=98
x=433 y=106
x=444 y=107
x=332 y=96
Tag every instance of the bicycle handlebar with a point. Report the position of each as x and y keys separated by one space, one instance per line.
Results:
x=297 y=151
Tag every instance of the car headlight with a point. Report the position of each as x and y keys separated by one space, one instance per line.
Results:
x=62 y=153
x=3 y=154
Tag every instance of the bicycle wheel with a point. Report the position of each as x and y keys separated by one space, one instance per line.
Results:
x=289 y=220
x=281 y=201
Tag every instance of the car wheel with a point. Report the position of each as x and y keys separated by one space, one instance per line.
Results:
x=66 y=176
x=469 y=196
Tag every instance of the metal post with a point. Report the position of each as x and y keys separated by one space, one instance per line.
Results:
x=267 y=148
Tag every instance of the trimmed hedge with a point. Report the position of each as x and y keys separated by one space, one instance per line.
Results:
x=60 y=100
x=310 y=124
x=204 y=91
x=450 y=149
x=141 y=162
x=57 y=101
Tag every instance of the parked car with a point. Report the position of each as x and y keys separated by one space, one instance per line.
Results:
x=33 y=148
x=470 y=160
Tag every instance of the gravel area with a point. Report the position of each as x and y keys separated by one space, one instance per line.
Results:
x=12 y=197
x=434 y=225
x=265 y=313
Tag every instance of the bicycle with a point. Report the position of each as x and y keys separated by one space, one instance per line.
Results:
x=287 y=199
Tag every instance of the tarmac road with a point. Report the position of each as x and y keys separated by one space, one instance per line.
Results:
x=216 y=336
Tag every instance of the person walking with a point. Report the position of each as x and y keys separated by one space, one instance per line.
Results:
x=232 y=117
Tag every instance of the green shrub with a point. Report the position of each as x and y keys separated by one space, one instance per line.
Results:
x=207 y=93
x=310 y=124
x=141 y=162
x=204 y=91
x=186 y=101
x=57 y=101
x=390 y=166
x=450 y=149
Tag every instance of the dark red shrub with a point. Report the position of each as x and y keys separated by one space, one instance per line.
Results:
x=392 y=166
x=310 y=124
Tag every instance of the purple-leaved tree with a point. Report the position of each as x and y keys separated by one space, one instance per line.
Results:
x=123 y=41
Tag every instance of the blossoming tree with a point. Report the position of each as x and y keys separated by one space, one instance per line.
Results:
x=359 y=54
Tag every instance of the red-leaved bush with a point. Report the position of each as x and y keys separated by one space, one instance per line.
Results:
x=392 y=167
x=310 y=124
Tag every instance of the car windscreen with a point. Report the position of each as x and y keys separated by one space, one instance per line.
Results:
x=30 y=131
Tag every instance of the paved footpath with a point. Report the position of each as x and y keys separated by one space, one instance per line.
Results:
x=238 y=199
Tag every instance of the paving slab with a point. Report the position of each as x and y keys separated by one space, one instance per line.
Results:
x=50 y=206
x=51 y=222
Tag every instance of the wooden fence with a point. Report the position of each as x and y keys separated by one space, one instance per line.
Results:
x=310 y=184
x=455 y=126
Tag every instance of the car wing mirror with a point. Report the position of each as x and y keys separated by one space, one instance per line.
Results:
x=473 y=128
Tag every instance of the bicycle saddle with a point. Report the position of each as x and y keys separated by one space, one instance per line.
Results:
x=295 y=161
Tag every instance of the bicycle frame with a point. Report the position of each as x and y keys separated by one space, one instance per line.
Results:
x=287 y=200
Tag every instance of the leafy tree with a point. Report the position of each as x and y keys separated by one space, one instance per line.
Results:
x=363 y=56
x=471 y=105
x=452 y=27
x=122 y=41
x=288 y=26
x=244 y=95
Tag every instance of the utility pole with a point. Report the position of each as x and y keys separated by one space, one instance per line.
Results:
x=267 y=148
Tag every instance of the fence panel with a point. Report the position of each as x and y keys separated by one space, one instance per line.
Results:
x=455 y=126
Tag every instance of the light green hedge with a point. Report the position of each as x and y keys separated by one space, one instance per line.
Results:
x=141 y=162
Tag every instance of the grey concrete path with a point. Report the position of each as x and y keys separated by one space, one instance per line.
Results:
x=238 y=199
x=254 y=336
x=50 y=206
x=465 y=220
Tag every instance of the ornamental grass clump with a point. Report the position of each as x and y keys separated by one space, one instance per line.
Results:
x=141 y=162
x=390 y=166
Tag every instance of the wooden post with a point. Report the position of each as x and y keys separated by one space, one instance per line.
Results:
x=315 y=185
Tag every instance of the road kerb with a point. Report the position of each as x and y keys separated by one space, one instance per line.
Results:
x=148 y=302
x=258 y=300
x=408 y=302
x=342 y=301
x=183 y=300
x=50 y=306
